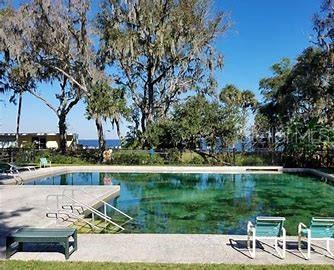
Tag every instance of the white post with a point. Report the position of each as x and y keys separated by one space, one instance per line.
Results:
x=254 y=242
x=105 y=212
x=308 y=244
x=284 y=242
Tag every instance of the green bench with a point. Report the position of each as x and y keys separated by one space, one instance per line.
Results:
x=42 y=235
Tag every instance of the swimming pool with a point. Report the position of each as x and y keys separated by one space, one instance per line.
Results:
x=209 y=203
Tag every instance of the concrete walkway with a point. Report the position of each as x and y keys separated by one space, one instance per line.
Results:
x=25 y=206
x=172 y=248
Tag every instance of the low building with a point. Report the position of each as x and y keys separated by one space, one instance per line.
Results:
x=37 y=140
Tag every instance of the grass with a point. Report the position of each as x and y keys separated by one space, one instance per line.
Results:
x=36 y=265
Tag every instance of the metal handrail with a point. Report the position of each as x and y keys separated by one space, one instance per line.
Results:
x=107 y=204
x=94 y=211
x=58 y=211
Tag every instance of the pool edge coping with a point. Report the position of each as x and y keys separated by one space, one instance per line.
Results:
x=52 y=171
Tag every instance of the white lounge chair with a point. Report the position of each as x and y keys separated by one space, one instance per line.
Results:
x=16 y=168
x=266 y=228
x=320 y=229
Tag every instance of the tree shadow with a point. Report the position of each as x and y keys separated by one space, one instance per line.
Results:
x=5 y=178
x=241 y=247
x=6 y=229
x=291 y=247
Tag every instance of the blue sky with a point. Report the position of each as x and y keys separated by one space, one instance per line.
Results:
x=263 y=32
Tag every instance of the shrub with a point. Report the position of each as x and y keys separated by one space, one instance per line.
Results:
x=245 y=160
x=173 y=156
x=135 y=157
x=59 y=158
x=189 y=157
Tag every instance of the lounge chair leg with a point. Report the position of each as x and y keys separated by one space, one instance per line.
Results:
x=251 y=249
x=328 y=250
x=306 y=257
x=284 y=244
x=254 y=245
x=282 y=255
x=308 y=248
x=276 y=246
x=299 y=242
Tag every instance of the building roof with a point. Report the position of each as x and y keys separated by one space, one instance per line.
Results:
x=35 y=134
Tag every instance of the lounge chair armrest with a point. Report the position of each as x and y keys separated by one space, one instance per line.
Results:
x=250 y=227
x=301 y=226
x=284 y=232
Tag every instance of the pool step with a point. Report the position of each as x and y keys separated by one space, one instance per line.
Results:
x=87 y=219
x=99 y=226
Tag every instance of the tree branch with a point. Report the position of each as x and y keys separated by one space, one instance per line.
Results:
x=71 y=79
x=43 y=100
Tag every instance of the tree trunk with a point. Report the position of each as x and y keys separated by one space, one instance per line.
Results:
x=118 y=130
x=150 y=103
x=18 y=119
x=100 y=135
x=62 y=132
x=143 y=120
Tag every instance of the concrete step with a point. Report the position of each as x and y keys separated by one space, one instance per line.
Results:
x=100 y=226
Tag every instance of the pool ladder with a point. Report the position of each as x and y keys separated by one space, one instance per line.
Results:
x=70 y=209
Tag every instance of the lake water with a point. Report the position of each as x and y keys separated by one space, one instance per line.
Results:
x=95 y=144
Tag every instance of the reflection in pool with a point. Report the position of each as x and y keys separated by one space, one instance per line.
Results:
x=209 y=203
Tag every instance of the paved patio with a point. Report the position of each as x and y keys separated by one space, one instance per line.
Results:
x=172 y=248
x=23 y=206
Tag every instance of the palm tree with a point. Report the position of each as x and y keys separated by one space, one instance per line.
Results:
x=106 y=103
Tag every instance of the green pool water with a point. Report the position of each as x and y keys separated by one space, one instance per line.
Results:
x=209 y=203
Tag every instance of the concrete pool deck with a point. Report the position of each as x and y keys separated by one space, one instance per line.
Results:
x=25 y=206
x=58 y=170
x=173 y=248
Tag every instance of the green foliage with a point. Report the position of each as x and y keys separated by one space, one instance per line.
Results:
x=299 y=103
x=164 y=134
x=231 y=96
x=250 y=160
x=196 y=118
x=190 y=157
x=323 y=24
x=135 y=157
x=108 y=103
x=165 y=52
x=57 y=158
x=171 y=156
